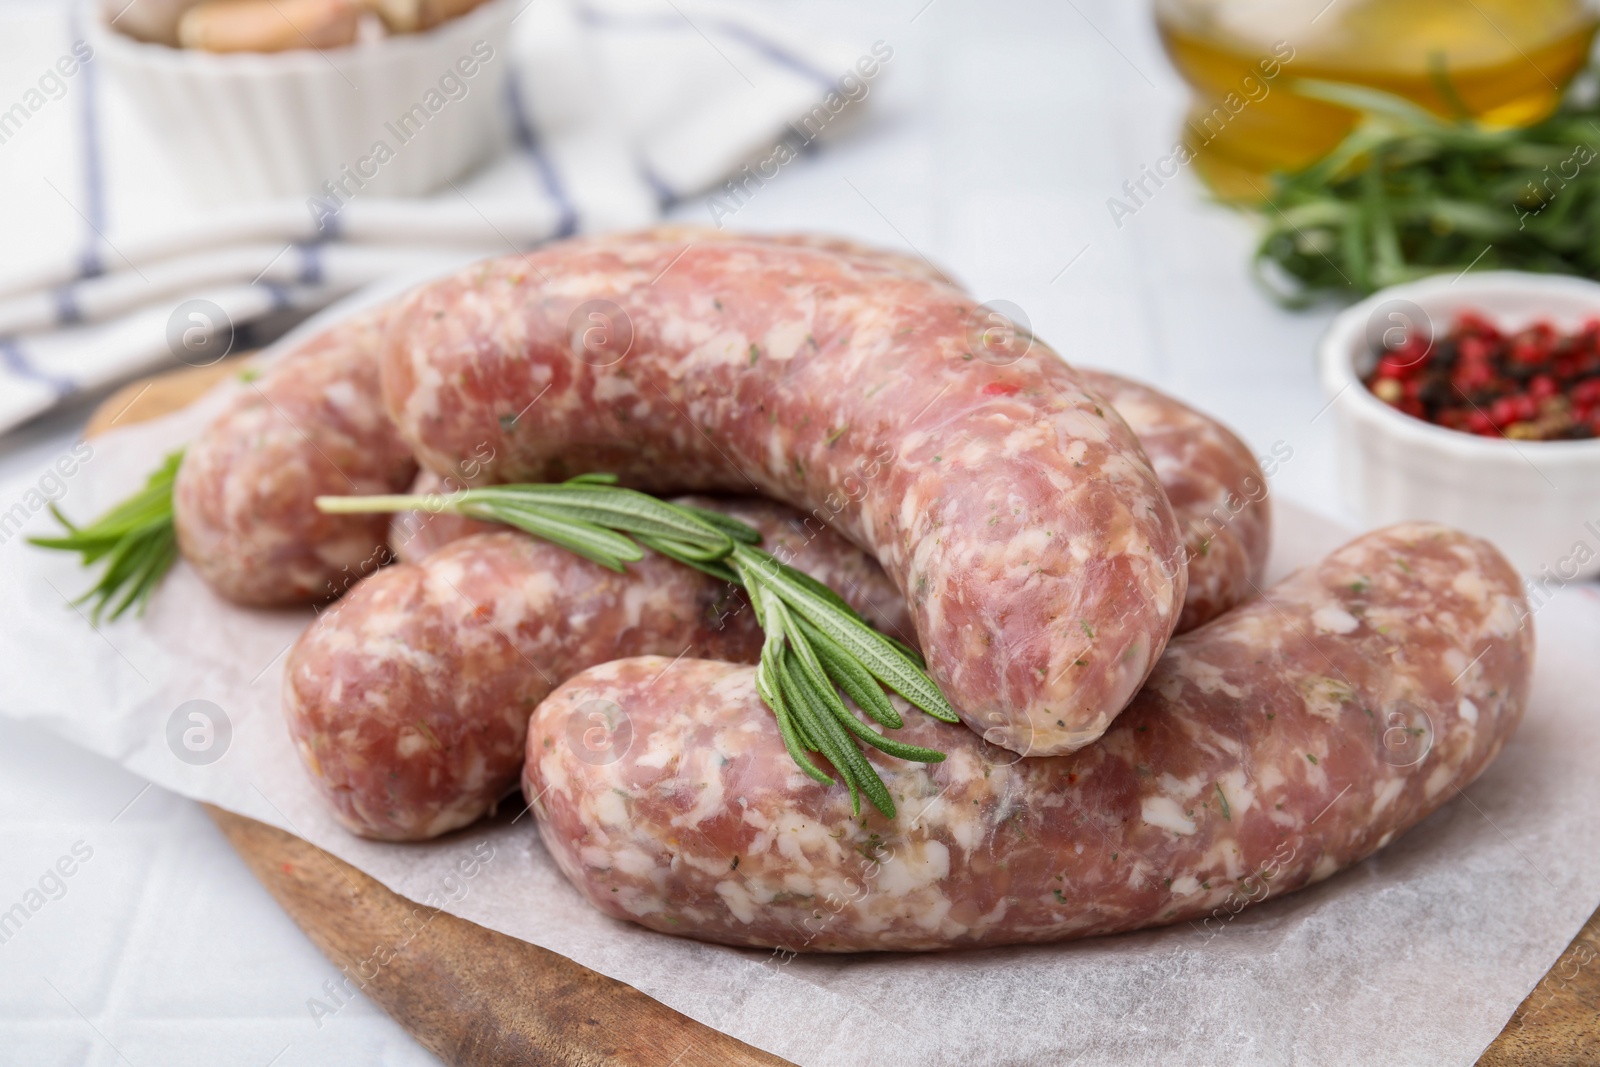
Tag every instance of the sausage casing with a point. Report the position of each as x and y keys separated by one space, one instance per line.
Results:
x=1290 y=738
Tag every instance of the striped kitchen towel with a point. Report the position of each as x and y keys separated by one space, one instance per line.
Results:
x=615 y=110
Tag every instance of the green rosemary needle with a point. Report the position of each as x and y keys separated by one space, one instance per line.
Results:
x=1409 y=193
x=135 y=538
x=815 y=643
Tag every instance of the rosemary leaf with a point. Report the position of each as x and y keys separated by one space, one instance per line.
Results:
x=854 y=679
x=1408 y=194
x=898 y=749
x=828 y=735
x=729 y=525
x=768 y=688
x=592 y=542
x=807 y=664
x=875 y=652
x=135 y=539
x=814 y=639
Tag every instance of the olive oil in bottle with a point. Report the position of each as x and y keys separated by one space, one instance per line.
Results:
x=1504 y=62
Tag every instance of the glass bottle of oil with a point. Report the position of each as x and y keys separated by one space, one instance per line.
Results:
x=1505 y=61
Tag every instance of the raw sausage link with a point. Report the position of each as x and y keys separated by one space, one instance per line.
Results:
x=313 y=425
x=1014 y=508
x=1217 y=490
x=244 y=514
x=1286 y=740
x=408 y=701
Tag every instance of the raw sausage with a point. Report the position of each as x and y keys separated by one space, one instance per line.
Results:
x=313 y=425
x=1016 y=511
x=1286 y=740
x=1216 y=487
x=408 y=701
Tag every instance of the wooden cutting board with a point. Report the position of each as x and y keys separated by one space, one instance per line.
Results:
x=474 y=996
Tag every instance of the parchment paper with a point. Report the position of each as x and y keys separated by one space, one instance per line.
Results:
x=1419 y=955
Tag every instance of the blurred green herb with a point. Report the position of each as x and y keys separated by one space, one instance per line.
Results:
x=136 y=539
x=1408 y=194
x=815 y=643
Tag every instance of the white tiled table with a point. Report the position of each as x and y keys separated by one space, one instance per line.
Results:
x=995 y=138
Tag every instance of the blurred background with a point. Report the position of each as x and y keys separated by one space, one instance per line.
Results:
x=1187 y=191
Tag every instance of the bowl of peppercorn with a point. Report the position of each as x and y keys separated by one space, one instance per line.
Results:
x=1475 y=401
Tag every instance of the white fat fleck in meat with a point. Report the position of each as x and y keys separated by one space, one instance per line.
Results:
x=658 y=752
x=710 y=800
x=610 y=809
x=1325 y=866
x=1181 y=788
x=635 y=599
x=1332 y=619
x=1209 y=678
x=1185 y=885
x=785 y=339
x=553 y=771
x=343 y=395
x=912 y=868
x=1386 y=793
x=1442 y=776
x=633 y=862
x=1468 y=711
x=1507 y=617
x=796 y=837
x=1325 y=697
x=1236 y=788
x=1470 y=583
x=722 y=347
x=799 y=885
x=612 y=387
x=1166 y=813
x=410 y=744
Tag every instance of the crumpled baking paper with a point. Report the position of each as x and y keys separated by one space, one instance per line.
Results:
x=1419 y=955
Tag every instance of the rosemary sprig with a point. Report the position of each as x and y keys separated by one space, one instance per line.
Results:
x=1409 y=194
x=136 y=539
x=816 y=644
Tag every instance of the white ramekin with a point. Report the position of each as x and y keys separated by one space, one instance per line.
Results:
x=247 y=126
x=1539 y=501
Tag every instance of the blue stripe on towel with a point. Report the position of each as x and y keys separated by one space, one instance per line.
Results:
x=666 y=195
x=330 y=228
x=89 y=262
x=17 y=362
x=311 y=272
x=776 y=52
x=528 y=139
x=68 y=312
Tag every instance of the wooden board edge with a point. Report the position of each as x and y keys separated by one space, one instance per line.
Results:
x=471 y=995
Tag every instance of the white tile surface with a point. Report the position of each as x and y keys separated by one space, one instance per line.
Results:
x=163 y=949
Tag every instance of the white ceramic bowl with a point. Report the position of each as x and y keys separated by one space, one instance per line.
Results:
x=248 y=126
x=1539 y=501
